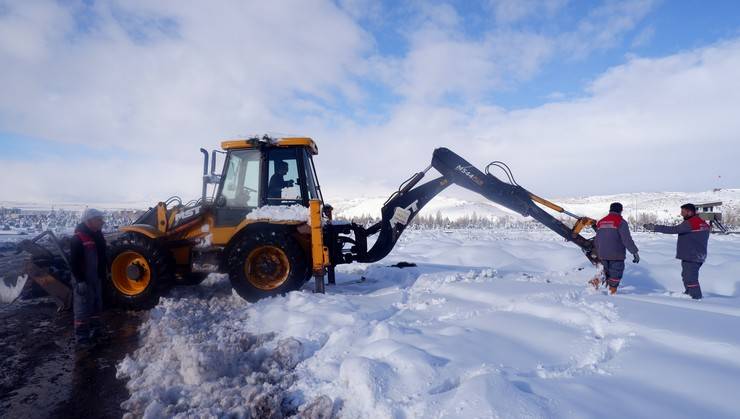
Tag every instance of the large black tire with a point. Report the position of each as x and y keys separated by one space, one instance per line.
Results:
x=153 y=266
x=266 y=262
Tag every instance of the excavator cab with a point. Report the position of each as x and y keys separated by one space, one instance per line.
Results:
x=259 y=173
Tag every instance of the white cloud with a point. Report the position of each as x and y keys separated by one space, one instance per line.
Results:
x=108 y=181
x=651 y=124
x=443 y=63
x=512 y=11
x=605 y=26
x=167 y=78
x=363 y=9
x=643 y=37
x=126 y=80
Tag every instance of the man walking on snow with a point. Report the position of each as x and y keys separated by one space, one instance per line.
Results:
x=691 y=247
x=613 y=238
x=89 y=267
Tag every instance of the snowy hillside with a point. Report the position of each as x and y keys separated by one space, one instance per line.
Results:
x=490 y=324
x=448 y=207
x=663 y=205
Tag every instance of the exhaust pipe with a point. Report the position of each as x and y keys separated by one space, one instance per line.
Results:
x=205 y=175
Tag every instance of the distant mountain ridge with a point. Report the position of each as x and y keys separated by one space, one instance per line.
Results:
x=662 y=206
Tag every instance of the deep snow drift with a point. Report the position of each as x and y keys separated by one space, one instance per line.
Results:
x=490 y=324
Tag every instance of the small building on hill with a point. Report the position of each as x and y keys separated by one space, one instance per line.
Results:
x=714 y=218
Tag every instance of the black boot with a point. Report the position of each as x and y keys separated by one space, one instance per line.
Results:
x=694 y=292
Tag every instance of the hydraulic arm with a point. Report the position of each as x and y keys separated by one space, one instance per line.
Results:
x=403 y=205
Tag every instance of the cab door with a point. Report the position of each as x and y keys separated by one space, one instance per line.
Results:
x=286 y=177
x=240 y=190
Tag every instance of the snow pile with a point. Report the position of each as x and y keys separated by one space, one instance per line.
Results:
x=206 y=240
x=489 y=324
x=280 y=213
x=198 y=359
x=9 y=291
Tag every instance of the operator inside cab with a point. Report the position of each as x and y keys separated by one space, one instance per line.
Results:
x=277 y=181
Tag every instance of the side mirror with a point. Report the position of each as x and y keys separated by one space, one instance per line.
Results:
x=221 y=201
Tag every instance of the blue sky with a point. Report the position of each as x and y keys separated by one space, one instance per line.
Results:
x=132 y=89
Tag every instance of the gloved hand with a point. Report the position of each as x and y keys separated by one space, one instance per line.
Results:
x=291 y=183
x=649 y=226
x=636 y=258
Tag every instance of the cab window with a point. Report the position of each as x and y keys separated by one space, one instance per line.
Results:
x=241 y=180
x=283 y=178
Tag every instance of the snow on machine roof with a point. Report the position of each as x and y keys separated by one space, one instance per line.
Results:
x=276 y=142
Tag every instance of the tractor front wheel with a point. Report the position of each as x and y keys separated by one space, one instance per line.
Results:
x=266 y=263
x=139 y=270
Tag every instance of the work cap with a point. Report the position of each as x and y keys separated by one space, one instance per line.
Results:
x=91 y=213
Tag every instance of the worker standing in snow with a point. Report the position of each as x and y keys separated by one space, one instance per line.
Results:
x=89 y=267
x=691 y=247
x=613 y=239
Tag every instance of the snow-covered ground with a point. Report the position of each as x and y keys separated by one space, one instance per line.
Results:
x=489 y=324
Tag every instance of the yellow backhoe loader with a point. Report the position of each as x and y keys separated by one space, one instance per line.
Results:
x=246 y=223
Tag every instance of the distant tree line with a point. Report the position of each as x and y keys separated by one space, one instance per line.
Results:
x=731 y=220
x=438 y=221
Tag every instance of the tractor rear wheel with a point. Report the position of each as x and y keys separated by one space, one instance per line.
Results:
x=265 y=263
x=140 y=270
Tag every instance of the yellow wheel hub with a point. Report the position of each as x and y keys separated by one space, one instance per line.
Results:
x=130 y=273
x=267 y=267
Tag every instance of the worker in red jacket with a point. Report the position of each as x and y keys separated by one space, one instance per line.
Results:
x=612 y=240
x=691 y=247
x=89 y=269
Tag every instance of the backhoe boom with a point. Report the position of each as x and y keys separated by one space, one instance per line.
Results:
x=404 y=204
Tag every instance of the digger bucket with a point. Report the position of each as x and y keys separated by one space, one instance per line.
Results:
x=40 y=265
